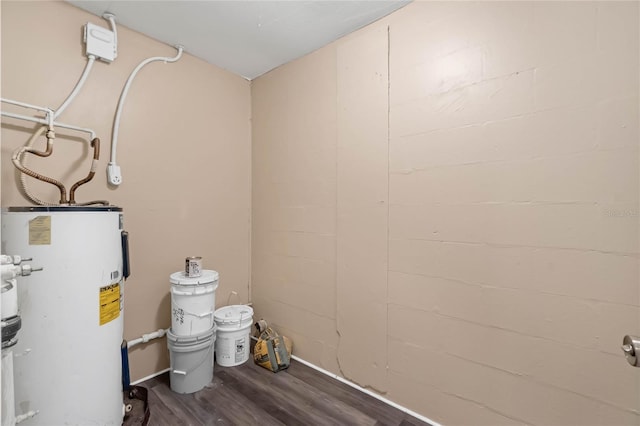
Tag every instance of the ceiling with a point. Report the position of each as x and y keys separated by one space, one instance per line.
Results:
x=247 y=38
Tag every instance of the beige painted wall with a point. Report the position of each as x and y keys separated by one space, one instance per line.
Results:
x=472 y=253
x=184 y=148
x=465 y=242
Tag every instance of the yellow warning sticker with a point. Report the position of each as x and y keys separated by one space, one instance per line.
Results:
x=109 y=303
x=40 y=231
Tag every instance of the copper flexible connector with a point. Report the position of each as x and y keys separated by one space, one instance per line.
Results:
x=50 y=135
x=95 y=143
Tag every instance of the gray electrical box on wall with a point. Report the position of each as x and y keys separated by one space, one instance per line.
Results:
x=100 y=42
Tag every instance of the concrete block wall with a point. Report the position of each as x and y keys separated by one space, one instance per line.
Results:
x=446 y=209
x=444 y=204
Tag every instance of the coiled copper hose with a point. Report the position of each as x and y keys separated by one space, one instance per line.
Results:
x=95 y=143
x=50 y=135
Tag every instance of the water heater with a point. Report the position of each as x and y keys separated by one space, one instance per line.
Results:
x=67 y=363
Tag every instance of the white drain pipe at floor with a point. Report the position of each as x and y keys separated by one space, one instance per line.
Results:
x=146 y=337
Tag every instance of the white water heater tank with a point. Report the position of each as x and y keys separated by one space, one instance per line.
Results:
x=67 y=362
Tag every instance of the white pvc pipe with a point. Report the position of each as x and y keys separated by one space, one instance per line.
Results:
x=25 y=105
x=146 y=337
x=46 y=122
x=123 y=96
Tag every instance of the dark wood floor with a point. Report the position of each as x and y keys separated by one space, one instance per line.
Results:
x=251 y=395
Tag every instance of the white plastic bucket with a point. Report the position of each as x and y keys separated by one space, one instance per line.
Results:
x=193 y=301
x=191 y=361
x=233 y=340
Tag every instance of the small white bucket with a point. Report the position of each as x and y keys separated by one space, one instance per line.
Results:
x=233 y=340
x=191 y=361
x=193 y=301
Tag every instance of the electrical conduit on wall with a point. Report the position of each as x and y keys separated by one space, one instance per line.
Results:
x=21 y=160
x=113 y=170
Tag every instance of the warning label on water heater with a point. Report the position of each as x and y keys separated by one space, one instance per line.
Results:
x=40 y=231
x=109 y=303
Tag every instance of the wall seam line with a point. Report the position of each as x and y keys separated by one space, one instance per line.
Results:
x=250 y=236
x=336 y=214
x=386 y=373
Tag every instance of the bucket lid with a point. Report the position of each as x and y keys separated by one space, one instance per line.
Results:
x=233 y=314
x=181 y=278
x=191 y=340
